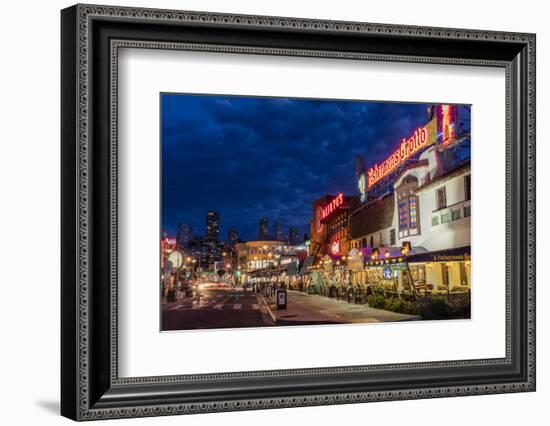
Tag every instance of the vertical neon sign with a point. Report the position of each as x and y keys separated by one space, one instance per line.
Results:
x=447 y=128
x=323 y=212
x=362 y=184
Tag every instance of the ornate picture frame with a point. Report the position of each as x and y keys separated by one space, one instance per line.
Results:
x=91 y=37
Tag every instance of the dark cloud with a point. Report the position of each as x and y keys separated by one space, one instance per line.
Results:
x=252 y=157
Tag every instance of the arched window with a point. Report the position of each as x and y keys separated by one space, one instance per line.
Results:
x=407 y=201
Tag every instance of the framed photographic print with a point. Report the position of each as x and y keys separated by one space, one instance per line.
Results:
x=263 y=212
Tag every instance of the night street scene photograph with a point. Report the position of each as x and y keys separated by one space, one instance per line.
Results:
x=295 y=211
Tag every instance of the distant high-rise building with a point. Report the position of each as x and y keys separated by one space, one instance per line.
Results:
x=278 y=231
x=232 y=237
x=184 y=234
x=264 y=229
x=212 y=226
x=293 y=236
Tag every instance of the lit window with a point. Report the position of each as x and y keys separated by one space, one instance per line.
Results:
x=412 y=211
x=408 y=205
x=403 y=215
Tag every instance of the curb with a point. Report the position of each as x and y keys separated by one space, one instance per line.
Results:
x=264 y=302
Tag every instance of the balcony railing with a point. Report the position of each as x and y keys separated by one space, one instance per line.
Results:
x=450 y=214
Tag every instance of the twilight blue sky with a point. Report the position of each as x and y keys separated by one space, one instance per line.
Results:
x=248 y=157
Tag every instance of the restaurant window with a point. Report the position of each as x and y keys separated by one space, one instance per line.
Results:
x=441 y=198
x=463 y=275
x=392 y=237
x=467 y=188
x=407 y=202
x=445 y=271
x=418 y=273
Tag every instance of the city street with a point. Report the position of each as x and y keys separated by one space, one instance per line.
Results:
x=219 y=307
x=224 y=307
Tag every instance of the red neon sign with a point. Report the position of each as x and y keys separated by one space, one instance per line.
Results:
x=446 y=116
x=169 y=242
x=323 y=212
x=421 y=138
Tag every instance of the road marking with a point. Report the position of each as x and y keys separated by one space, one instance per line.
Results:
x=237 y=306
x=255 y=306
x=218 y=306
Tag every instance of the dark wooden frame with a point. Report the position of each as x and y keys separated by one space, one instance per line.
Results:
x=90 y=386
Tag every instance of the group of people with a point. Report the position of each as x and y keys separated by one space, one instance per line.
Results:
x=268 y=289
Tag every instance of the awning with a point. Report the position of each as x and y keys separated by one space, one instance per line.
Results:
x=258 y=272
x=450 y=255
x=308 y=261
x=292 y=269
x=356 y=261
x=393 y=252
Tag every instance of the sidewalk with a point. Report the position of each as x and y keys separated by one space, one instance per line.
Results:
x=312 y=309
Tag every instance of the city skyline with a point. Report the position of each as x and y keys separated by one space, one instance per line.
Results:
x=268 y=157
x=233 y=233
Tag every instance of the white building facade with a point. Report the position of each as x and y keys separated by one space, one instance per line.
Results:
x=431 y=217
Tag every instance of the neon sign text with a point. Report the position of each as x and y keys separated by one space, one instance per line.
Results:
x=421 y=138
x=333 y=205
x=323 y=212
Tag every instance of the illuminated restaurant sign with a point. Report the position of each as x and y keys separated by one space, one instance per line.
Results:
x=446 y=116
x=169 y=243
x=324 y=212
x=420 y=139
